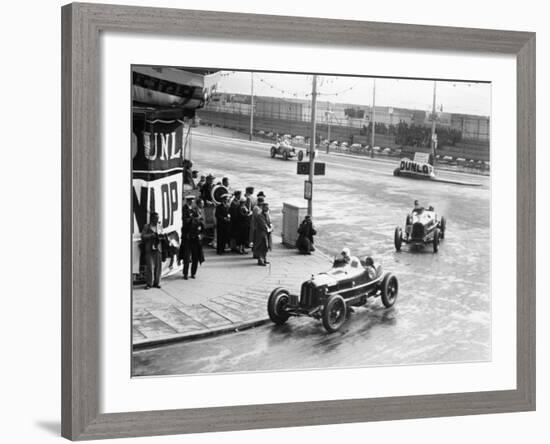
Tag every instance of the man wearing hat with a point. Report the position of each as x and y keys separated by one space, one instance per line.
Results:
x=262 y=235
x=223 y=219
x=191 y=233
x=242 y=223
x=255 y=212
x=152 y=249
x=234 y=223
x=250 y=204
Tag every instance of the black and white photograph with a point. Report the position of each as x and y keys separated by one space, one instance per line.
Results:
x=295 y=221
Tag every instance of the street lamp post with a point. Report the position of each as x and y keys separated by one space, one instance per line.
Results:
x=251 y=105
x=373 y=117
x=433 y=142
x=312 y=142
x=329 y=121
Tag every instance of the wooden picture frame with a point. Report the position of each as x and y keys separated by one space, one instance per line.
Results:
x=81 y=26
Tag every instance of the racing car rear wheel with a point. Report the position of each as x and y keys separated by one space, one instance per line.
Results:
x=390 y=288
x=300 y=155
x=334 y=314
x=397 y=238
x=437 y=236
x=285 y=155
x=443 y=225
x=273 y=151
x=276 y=303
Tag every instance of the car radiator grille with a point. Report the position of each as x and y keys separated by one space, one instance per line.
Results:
x=417 y=231
x=307 y=295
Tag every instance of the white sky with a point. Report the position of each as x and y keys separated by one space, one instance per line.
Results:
x=455 y=97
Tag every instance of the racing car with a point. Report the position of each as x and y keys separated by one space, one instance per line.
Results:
x=330 y=296
x=422 y=227
x=284 y=148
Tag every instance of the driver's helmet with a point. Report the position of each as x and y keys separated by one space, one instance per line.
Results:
x=369 y=262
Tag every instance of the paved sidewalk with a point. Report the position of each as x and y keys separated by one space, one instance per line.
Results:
x=229 y=294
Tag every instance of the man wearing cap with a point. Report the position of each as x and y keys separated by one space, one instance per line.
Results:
x=152 y=249
x=223 y=219
x=262 y=235
x=191 y=235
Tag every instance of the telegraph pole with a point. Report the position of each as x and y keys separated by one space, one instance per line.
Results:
x=312 y=142
x=251 y=106
x=373 y=117
x=329 y=121
x=433 y=125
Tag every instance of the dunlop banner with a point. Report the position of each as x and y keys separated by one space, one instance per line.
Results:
x=157 y=176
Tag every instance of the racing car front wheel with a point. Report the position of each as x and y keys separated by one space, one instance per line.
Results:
x=437 y=236
x=273 y=151
x=390 y=288
x=397 y=238
x=443 y=225
x=285 y=155
x=300 y=155
x=276 y=303
x=334 y=314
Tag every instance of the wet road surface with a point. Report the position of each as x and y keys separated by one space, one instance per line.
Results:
x=443 y=312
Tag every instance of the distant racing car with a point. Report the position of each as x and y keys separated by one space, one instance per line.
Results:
x=422 y=227
x=329 y=296
x=285 y=149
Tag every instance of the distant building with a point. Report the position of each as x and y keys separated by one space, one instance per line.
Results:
x=472 y=127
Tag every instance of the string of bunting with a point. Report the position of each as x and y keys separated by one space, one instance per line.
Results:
x=308 y=94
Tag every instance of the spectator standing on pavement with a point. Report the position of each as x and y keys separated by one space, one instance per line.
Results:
x=191 y=247
x=234 y=224
x=243 y=216
x=223 y=219
x=262 y=237
x=225 y=183
x=152 y=248
x=250 y=204
x=255 y=212
x=201 y=182
x=206 y=190
x=199 y=208
x=304 y=243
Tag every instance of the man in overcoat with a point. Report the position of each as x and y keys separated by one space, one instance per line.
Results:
x=223 y=219
x=152 y=249
x=191 y=247
x=262 y=235
x=304 y=243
